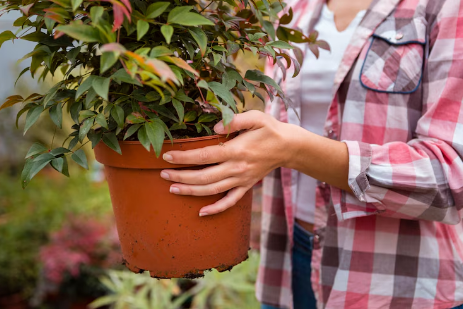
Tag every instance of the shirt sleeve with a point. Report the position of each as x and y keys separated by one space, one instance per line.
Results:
x=423 y=178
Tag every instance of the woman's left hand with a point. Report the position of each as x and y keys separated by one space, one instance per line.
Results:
x=242 y=161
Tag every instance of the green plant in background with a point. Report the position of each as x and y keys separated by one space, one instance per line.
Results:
x=227 y=290
x=28 y=217
x=144 y=70
x=129 y=290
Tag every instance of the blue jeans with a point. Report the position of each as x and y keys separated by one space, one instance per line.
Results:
x=303 y=295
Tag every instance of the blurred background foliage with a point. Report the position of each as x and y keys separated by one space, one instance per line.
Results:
x=58 y=245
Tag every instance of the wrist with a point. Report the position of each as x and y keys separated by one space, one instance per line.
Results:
x=294 y=143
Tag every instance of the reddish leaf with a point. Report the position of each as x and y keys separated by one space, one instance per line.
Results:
x=11 y=100
x=113 y=47
x=161 y=69
x=120 y=11
x=323 y=45
x=25 y=9
x=181 y=63
x=127 y=4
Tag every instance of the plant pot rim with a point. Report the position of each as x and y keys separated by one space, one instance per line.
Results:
x=187 y=140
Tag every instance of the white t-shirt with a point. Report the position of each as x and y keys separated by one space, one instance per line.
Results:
x=317 y=79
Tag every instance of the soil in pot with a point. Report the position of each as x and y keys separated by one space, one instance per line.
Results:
x=162 y=232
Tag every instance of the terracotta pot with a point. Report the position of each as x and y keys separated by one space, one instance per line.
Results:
x=162 y=232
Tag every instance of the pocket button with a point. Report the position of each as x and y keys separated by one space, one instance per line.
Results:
x=399 y=36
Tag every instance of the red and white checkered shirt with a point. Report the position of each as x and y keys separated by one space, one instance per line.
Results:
x=398 y=242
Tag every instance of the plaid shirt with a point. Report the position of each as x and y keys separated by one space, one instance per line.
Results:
x=397 y=104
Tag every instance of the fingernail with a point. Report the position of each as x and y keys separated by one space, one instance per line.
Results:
x=202 y=214
x=165 y=175
x=167 y=157
x=174 y=190
x=218 y=128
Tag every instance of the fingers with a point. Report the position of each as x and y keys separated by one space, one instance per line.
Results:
x=204 y=190
x=203 y=176
x=245 y=121
x=232 y=197
x=206 y=155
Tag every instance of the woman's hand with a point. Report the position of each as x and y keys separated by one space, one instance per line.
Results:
x=242 y=161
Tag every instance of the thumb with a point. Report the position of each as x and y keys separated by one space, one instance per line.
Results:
x=245 y=121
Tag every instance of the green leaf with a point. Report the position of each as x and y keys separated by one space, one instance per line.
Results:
x=86 y=84
x=160 y=51
x=268 y=26
x=207 y=117
x=107 y=60
x=25 y=174
x=76 y=4
x=181 y=96
x=142 y=28
x=80 y=158
x=51 y=93
x=190 y=116
x=32 y=116
x=181 y=15
x=156 y=9
x=167 y=31
x=258 y=76
x=110 y=140
x=101 y=120
x=121 y=76
x=232 y=47
x=58 y=164
x=80 y=32
x=280 y=44
x=56 y=115
x=96 y=13
x=36 y=36
x=132 y=129
x=178 y=126
x=219 y=48
x=208 y=130
x=20 y=74
x=203 y=84
x=200 y=38
x=73 y=142
x=59 y=151
x=221 y=91
x=143 y=138
x=101 y=86
x=36 y=148
x=84 y=128
x=179 y=108
x=199 y=127
x=5 y=36
x=75 y=109
x=155 y=133
x=227 y=113
x=118 y=114
x=40 y=162
x=91 y=94
x=217 y=58
x=94 y=137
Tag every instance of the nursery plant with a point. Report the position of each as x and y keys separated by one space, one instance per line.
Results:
x=144 y=70
x=135 y=73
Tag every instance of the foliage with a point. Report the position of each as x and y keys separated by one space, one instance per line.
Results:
x=142 y=70
x=227 y=290
x=80 y=241
x=28 y=217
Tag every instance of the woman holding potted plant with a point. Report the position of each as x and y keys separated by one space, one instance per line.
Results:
x=134 y=73
x=388 y=231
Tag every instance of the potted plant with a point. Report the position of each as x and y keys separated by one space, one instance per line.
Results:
x=134 y=72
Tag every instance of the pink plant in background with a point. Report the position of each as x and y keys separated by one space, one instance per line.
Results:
x=81 y=241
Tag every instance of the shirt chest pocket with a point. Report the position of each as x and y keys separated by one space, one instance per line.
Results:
x=395 y=58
